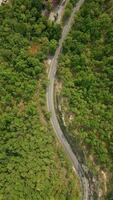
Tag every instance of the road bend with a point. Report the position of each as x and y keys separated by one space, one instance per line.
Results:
x=51 y=108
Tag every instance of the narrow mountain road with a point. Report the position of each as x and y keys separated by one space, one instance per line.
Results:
x=51 y=107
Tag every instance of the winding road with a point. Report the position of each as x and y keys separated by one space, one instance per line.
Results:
x=51 y=107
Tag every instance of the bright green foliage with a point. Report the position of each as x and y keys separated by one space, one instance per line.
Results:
x=32 y=165
x=53 y=46
x=86 y=70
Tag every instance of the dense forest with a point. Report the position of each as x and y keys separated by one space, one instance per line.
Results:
x=85 y=81
x=32 y=163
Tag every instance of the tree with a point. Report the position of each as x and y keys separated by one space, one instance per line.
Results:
x=52 y=46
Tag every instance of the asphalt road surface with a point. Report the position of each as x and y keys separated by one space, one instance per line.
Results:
x=51 y=108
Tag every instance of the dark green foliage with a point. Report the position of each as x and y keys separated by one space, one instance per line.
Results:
x=32 y=165
x=86 y=68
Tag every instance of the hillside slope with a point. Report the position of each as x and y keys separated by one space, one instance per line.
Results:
x=85 y=89
x=32 y=163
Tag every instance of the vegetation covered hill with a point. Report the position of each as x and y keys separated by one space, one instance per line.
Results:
x=32 y=164
x=86 y=76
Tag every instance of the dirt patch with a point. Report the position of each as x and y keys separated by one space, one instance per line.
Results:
x=21 y=107
x=103 y=183
x=105 y=180
x=33 y=49
x=58 y=87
